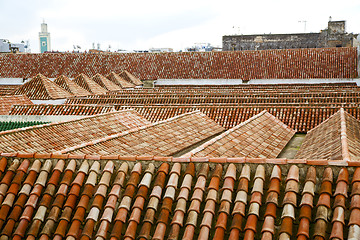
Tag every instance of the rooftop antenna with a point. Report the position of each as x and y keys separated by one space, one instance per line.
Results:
x=304 y=21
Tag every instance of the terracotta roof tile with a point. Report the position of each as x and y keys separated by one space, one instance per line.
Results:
x=62 y=109
x=263 y=129
x=341 y=140
x=132 y=205
x=6 y=102
x=115 y=78
x=89 y=85
x=41 y=88
x=71 y=86
x=301 y=118
x=68 y=134
x=163 y=138
x=266 y=64
x=105 y=83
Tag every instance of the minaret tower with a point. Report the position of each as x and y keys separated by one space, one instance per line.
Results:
x=44 y=37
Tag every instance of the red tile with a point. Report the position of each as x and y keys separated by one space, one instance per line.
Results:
x=304 y=227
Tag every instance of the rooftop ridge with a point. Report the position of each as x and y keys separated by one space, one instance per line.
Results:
x=62 y=122
x=344 y=142
x=71 y=86
x=113 y=136
x=224 y=160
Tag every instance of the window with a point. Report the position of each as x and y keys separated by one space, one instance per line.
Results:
x=43 y=44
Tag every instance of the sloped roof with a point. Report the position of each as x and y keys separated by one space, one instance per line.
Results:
x=262 y=136
x=301 y=119
x=57 y=136
x=60 y=109
x=266 y=64
x=163 y=138
x=85 y=82
x=6 y=102
x=41 y=88
x=130 y=78
x=115 y=78
x=105 y=83
x=122 y=199
x=337 y=138
x=8 y=89
x=71 y=86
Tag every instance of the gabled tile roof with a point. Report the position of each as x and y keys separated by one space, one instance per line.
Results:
x=57 y=136
x=130 y=78
x=262 y=136
x=85 y=199
x=41 y=88
x=246 y=65
x=85 y=82
x=163 y=138
x=105 y=83
x=115 y=78
x=301 y=119
x=6 y=102
x=61 y=109
x=71 y=86
x=337 y=138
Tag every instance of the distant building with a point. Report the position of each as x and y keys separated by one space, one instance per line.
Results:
x=7 y=47
x=334 y=36
x=44 y=37
x=161 y=50
x=202 y=47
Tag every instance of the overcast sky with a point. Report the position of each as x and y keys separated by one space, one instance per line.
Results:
x=143 y=24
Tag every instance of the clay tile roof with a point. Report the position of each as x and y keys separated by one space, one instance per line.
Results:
x=154 y=200
x=266 y=64
x=130 y=78
x=262 y=136
x=115 y=78
x=57 y=136
x=85 y=82
x=6 y=102
x=71 y=86
x=336 y=138
x=163 y=138
x=62 y=109
x=8 y=89
x=41 y=88
x=105 y=83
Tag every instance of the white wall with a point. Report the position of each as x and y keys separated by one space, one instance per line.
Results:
x=29 y=118
x=304 y=81
x=198 y=82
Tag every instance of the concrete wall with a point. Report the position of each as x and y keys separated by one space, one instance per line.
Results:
x=56 y=102
x=33 y=118
x=11 y=81
x=198 y=81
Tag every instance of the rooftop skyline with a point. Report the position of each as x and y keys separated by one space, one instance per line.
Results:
x=142 y=25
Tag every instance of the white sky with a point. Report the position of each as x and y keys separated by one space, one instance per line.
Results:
x=142 y=24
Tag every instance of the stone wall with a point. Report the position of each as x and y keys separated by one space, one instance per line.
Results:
x=273 y=41
x=334 y=36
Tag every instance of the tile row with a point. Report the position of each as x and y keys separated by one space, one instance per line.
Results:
x=61 y=109
x=47 y=199
x=246 y=65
